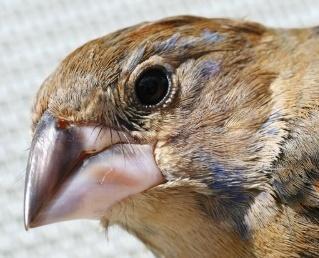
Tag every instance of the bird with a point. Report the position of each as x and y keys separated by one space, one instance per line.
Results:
x=197 y=135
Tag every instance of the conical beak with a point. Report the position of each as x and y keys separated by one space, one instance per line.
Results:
x=67 y=164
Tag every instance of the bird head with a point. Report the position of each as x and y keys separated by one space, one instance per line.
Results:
x=170 y=129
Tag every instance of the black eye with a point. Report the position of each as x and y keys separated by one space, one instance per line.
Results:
x=152 y=86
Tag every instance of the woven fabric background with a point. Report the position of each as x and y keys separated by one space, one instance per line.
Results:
x=34 y=37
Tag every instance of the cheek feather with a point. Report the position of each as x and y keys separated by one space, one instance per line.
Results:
x=268 y=127
x=230 y=201
x=223 y=179
x=208 y=68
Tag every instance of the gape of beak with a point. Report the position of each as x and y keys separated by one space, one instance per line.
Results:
x=77 y=172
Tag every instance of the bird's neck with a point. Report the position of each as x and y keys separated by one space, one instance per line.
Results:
x=173 y=224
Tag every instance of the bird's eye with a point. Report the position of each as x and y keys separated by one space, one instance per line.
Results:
x=152 y=86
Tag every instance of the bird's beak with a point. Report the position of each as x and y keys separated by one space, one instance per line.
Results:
x=76 y=172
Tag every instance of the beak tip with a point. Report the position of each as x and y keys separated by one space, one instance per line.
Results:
x=27 y=221
x=30 y=217
x=26 y=227
x=26 y=213
x=30 y=223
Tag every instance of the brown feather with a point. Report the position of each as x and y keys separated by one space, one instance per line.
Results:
x=237 y=143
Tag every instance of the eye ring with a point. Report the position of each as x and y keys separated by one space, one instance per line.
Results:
x=153 y=87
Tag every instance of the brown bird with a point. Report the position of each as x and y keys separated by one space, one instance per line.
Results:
x=199 y=136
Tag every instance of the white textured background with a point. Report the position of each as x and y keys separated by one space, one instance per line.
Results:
x=34 y=37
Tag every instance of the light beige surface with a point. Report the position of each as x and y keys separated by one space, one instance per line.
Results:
x=34 y=37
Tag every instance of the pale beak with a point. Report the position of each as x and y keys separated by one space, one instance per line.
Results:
x=77 y=172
